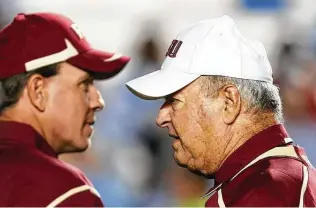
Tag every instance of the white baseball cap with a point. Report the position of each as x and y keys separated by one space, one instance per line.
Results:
x=209 y=47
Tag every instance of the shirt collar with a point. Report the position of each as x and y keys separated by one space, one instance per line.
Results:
x=258 y=144
x=21 y=134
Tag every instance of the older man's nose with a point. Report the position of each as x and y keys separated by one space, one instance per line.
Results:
x=163 y=117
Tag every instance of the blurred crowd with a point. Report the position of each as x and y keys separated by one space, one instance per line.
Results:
x=130 y=161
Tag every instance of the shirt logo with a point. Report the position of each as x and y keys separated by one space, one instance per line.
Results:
x=174 y=48
x=77 y=30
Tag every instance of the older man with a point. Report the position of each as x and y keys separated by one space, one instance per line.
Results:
x=48 y=105
x=225 y=116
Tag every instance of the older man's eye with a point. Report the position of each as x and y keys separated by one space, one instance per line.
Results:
x=175 y=103
x=171 y=100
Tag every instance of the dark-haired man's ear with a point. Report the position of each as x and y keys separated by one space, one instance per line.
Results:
x=232 y=103
x=36 y=93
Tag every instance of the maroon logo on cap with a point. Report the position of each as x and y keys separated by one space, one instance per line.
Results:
x=174 y=48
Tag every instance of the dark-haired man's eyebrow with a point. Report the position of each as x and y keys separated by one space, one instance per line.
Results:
x=85 y=79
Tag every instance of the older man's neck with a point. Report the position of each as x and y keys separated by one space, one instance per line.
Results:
x=245 y=129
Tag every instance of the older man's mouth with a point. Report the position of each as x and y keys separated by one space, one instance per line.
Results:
x=174 y=136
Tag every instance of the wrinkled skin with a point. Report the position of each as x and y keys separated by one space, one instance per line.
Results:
x=194 y=120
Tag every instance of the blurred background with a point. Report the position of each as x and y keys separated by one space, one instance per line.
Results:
x=130 y=161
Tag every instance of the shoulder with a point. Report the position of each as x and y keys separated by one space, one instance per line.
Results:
x=277 y=174
x=283 y=171
x=38 y=179
x=41 y=168
x=269 y=180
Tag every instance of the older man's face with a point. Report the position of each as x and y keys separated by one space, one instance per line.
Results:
x=194 y=121
x=71 y=105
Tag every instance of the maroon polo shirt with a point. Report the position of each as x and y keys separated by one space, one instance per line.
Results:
x=32 y=175
x=271 y=182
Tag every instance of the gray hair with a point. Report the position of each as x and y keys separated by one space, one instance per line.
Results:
x=11 y=88
x=259 y=96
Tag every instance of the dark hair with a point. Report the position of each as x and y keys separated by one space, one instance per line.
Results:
x=11 y=88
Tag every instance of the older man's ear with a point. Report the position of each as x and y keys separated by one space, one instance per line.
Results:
x=231 y=103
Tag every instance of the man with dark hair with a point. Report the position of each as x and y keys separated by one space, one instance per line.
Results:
x=225 y=116
x=47 y=107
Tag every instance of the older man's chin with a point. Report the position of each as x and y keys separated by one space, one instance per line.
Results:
x=196 y=171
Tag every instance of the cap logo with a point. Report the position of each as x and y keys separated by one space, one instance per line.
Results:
x=77 y=30
x=174 y=48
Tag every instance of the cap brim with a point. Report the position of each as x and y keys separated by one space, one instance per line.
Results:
x=160 y=83
x=100 y=64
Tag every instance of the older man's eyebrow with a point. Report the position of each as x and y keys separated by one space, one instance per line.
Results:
x=168 y=97
x=172 y=98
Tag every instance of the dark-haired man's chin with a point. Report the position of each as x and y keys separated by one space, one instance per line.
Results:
x=83 y=148
x=76 y=148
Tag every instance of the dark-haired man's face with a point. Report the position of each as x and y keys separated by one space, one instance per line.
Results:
x=69 y=115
